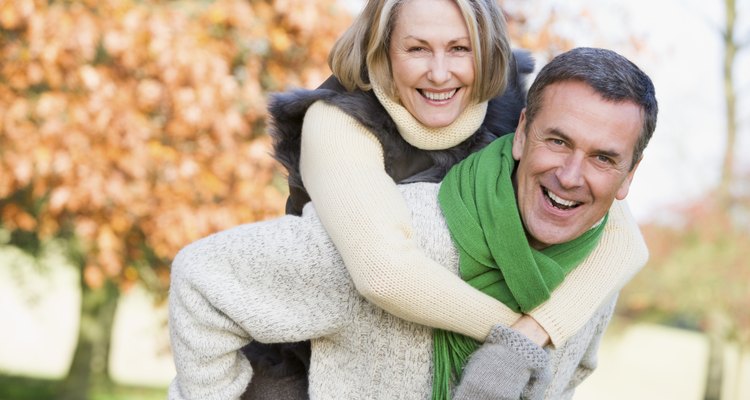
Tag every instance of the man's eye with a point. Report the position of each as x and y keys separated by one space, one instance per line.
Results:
x=557 y=142
x=605 y=159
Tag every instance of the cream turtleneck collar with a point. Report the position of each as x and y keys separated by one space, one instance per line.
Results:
x=422 y=137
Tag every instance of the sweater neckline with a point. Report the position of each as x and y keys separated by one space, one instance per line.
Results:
x=425 y=138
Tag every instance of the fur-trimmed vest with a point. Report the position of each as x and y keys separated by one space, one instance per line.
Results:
x=403 y=162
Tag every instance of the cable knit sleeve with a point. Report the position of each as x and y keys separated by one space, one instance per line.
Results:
x=620 y=254
x=275 y=281
x=359 y=204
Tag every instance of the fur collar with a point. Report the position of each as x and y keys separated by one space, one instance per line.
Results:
x=404 y=162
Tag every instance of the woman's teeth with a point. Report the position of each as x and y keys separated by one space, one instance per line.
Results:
x=438 y=96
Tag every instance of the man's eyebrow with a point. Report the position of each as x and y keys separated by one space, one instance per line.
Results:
x=611 y=153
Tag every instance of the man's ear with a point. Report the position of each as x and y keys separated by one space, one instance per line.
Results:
x=622 y=192
x=519 y=139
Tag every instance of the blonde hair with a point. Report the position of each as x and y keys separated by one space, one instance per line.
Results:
x=360 y=55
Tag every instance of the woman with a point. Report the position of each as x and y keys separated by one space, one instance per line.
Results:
x=416 y=78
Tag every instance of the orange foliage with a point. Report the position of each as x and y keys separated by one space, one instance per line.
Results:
x=138 y=125
x=542 y=40
x=541 y=36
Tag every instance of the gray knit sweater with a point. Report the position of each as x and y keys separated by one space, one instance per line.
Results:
x=283 y=281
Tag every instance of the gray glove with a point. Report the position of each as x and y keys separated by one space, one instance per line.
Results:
x=503 y=367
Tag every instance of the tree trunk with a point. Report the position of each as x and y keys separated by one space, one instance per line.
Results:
x=717 y=329
x=715 y=367
x=90 y=366
x=730 y=96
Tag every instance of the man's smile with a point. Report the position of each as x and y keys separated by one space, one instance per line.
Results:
x=558 y=202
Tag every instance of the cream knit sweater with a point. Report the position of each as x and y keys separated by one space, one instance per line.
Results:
x=283 y=280
x=359 y=205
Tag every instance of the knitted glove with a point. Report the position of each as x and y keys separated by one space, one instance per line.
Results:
x=502 y=368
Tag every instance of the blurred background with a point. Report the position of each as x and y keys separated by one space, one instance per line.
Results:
x=129 y=128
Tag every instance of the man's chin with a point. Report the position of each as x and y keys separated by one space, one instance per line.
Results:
x=550 y=236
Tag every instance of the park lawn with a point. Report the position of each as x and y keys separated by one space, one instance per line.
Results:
x=25 y=388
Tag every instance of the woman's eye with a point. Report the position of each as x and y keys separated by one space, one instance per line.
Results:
x=416 y=49
x=461 y=49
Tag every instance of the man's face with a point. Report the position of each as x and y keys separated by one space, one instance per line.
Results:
x=574 y=160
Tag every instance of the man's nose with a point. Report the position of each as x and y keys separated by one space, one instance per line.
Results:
x=570 y=174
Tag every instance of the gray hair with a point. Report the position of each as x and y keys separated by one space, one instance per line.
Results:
x=611 y=75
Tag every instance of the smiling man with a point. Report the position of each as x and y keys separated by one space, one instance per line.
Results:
x=577 y=154
x=579 y=149
x=589 y=117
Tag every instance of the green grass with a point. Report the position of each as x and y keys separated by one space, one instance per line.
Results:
x=17 y=388
x=24 y=388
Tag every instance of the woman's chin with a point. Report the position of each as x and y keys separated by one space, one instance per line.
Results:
x=440 y=120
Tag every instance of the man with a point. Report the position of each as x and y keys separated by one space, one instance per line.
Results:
x=590 y=115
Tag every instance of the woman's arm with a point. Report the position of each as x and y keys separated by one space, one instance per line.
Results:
x=359 y=204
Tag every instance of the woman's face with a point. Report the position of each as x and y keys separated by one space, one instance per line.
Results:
x=432 y=61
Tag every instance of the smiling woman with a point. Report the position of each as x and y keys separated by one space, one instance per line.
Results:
x=432 y=63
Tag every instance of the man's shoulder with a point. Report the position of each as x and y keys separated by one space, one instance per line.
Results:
x=420 y=194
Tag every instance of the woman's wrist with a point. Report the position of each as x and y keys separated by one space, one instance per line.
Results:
x=529 y=327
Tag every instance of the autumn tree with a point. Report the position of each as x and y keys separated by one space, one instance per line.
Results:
x=131 y=128
x=733 y=43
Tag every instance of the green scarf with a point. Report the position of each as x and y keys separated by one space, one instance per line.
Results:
x=479 y=205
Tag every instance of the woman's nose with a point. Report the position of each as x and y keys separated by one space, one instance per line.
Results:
x=438 y=70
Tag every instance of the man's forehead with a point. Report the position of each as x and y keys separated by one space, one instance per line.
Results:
x=574 y=110
x=574 y=89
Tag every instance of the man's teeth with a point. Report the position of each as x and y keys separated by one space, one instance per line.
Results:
x=560 y=202
x=438 y=96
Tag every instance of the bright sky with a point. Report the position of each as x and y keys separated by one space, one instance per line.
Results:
x=682 y=54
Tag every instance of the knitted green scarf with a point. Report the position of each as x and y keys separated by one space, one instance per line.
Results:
x=479 y=205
